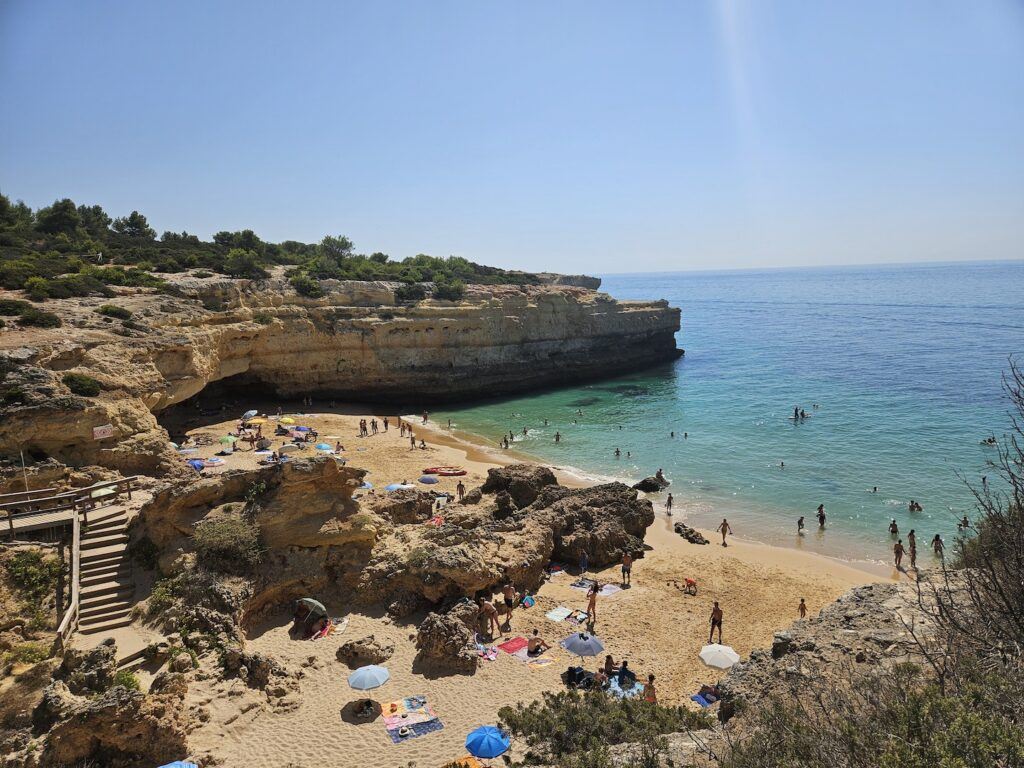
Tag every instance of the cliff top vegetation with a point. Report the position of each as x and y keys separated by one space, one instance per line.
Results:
x=68 y=249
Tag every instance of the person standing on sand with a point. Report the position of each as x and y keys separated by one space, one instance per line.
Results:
x=716 y=622
x=668 y=504
x=898 y=551
x=385 y=423
x=802 y=609
x=460 y=489
x=508 y=592
x=426 y=416
x=724 y=528
x=412 y=442
x=627 y=567
x=488 y=611
x=800 y=525
x=650 y=692
x=592 y=603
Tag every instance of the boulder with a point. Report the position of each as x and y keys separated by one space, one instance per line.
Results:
x=692 y=535
x=365 y=650
x=651 y=485
x=444 y=640
x=523 y=482
x=89 y=671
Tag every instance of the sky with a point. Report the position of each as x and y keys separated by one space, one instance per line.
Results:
x=570 y=136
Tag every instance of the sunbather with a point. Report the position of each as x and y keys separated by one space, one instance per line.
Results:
x=536 y=645
x=609 y=665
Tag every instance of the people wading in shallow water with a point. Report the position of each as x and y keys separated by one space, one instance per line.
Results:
x=800 y=525
x=898 y=552
x=821 y=515
x=938 y=546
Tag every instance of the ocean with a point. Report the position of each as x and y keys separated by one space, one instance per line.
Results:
x=897 y=367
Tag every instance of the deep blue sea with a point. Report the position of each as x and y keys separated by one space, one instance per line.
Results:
x=904 y=363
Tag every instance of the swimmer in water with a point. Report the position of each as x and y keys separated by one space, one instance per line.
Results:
x=800 y=525
x=893 y=528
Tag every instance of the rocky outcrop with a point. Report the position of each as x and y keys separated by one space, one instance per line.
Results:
x=352 y=343
x=580 y=281
x=444 y=641
x=365 y=650
x=692 y=535
x=652 y=484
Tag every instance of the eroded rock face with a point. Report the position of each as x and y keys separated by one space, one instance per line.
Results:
x=651 y=484
x=87 y=672
x=522 y=482
x=353 y=343
x=444 y=640
x=692 y=535
x=365 y=650
x=119 y=727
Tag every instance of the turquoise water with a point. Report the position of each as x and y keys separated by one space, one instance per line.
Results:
x=904 y=362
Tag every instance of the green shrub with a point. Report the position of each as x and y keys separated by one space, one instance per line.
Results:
x=449 y=290
x=162 y=596
x=28 y=653
x=262 y=318
x=410 y=293
x=228 y=545
x=126 y=679
x=572 y=724
x=242 y=263
x=306 y=285
x=112 y=310
x=39 y=319
x=13 y=307
x=34 y=575
x=202 y=273
x=80 y=384
x=37 y=288
x=13 y=396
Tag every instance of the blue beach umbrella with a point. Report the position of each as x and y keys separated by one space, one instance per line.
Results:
x=323 y=447
x=487 y=742
x=180 y=764
x=300 y=429
x=250 y=414
x=428 y=479
x=397 y=486
x=196 y=464
x=370 y=676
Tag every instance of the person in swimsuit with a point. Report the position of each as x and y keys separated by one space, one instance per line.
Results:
x=627 y=567
x=800 y=524
x=488 y=611
x=898 y=551
x=893 y=528
x=536 y=645
x=716 y=622
x=650 y=692
x=821 y=515
x=724 y=528
x=938 y=546
x=508 y=592
x=802 y=609
x=592 y=603
x=460 y=489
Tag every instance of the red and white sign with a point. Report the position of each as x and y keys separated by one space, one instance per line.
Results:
x=103 y=432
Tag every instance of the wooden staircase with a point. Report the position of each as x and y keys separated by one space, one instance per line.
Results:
x=107 y=586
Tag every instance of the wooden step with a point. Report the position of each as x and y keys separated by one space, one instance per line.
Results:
x=92 y=613
x=106 y=540
x=114 y=524
x=105 y=615
x=115 y=572
x=106 y=626
x=100 y=553
x=91 y=563
x=101 y=589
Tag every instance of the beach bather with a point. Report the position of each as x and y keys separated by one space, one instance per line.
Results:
x=650 y=692
x=716 y=623
x=724 y=528
x=536 y=645
x=490 y=614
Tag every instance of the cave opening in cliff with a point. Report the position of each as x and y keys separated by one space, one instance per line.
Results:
x=221 y=401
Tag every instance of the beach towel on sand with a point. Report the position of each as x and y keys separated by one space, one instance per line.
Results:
x=629 y=693
x=559 y=614
x=700 y=700
x=609 y=589
x=488 y=652
x=513 y=645
x=584 y=584
x=415 y=730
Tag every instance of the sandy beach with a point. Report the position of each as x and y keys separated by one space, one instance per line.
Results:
x=653 y=624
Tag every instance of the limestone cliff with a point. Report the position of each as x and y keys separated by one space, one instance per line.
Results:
x=355 y=343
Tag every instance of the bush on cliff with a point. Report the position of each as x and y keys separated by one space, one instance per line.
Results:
x=228 y=545
x=569 y=727
x=410 y=294
x=242 y=263
x=112 y=310
x=37 y=318
x=80 y=384
x=449 y=290
x=306 y=285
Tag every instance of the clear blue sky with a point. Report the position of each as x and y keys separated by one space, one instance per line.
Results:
x=577 y=136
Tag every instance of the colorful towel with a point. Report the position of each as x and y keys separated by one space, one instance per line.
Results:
x=580 y=617
x=700 y=700
x=524 y=655
x=538 y=663
x=415 y=730
x=513 y=645
x=559 y=614
x=528 y=601
x=629 y=693
x=584 y=584
x=488 y=652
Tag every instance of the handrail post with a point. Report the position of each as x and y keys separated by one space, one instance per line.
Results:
x=10 y=522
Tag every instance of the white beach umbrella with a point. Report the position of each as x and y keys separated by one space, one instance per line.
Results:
x=289 y=448
x=719 y=656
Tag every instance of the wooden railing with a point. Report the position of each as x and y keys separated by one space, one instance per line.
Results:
x=78 y=503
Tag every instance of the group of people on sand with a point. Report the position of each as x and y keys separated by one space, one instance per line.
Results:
x=371 y=428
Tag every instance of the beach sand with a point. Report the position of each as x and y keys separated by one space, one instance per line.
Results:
x=653 y=624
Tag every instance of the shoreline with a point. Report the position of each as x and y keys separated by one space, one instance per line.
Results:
x=763 y=552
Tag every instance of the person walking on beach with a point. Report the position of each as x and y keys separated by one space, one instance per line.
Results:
x=385 y=423
x=800 y=525
x=802 y=609
x=898 y=552
x=412 y=441
x=724 y=528
x=460 y=489
x=668 y=505
x=592 y=603
x=716 y=623
x=938 y=546
x=821 y=515
x=627 y=567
